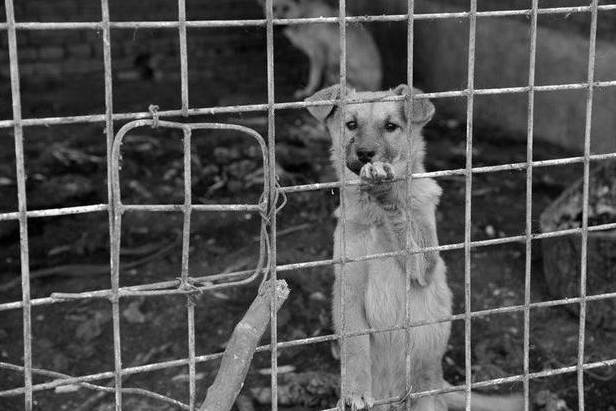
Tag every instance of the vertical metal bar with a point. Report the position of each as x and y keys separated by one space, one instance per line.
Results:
x=183 y=55
x=271 y=141
x=22 y=206
x=342 y=166
x=584 y=249
x=467 y=201
x=408 y=240
x=529 y=198
x=191 y=354
x=190 y=306
x=114 y=214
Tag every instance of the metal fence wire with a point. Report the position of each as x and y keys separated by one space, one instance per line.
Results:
x=267 y=206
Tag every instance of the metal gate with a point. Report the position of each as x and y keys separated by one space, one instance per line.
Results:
x=267 y=206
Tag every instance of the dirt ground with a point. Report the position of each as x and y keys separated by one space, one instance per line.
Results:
x=66 y=167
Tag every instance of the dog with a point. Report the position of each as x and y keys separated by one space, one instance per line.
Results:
x=376 y=149
x=320 y=42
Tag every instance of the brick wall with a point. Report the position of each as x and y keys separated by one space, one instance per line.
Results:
x=51 y=54
x=62 y=70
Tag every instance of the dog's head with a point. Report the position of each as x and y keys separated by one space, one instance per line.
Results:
x=286 y=9
x=376 y=130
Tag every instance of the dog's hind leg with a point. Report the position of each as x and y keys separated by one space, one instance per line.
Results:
x=349 y=299
x=357 y=384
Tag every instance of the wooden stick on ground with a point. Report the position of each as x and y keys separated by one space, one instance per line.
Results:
x=241 y=347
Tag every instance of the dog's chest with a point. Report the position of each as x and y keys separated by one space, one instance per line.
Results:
x=383 y=306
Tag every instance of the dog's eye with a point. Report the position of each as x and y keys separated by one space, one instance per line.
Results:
x=351 y=125
x=391 y=126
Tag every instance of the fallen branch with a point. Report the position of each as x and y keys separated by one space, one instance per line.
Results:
x=241 y=347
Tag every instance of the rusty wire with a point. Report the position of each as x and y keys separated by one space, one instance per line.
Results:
x=529 y=200
x=172 y=24
x=96 y=118
x=408 y=238
x=188 y=283
x=468 y=182
x=21 y=198
x=585 y=196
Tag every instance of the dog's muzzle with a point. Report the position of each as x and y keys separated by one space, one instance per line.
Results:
x=357 y=156
x=352 y=161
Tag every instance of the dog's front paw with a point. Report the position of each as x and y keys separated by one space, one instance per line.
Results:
x=376 y=179
x=376 y=172
x=356 y=401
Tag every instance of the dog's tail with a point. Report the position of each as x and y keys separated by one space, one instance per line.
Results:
x=456 y=400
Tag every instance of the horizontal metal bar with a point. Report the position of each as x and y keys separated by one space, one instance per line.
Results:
x=499 y=381
x=52 y=212
x=460 y=171
x=97 y=118
x=282 y=345
x=193 y=207
x=138 y=290
x=137 y=391
x=285 y=22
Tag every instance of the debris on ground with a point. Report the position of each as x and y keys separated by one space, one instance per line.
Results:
x=308 y=389
x=601 y=200
x=546 y=400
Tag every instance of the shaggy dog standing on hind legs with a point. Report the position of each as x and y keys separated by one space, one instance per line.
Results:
x=375 y=149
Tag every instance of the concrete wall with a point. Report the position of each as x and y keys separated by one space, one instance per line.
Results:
x=502 y=60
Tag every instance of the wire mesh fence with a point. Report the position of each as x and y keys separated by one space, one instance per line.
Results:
x=269 y=203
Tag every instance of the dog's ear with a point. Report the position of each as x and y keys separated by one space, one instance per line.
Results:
x=423 y=109
x=322 y=112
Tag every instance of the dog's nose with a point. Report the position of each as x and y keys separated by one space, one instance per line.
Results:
x=364 y=155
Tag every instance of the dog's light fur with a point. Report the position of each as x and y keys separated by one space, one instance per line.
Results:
x=376 y=213
x=320 y=42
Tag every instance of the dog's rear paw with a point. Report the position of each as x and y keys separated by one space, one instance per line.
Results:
x=356 y=402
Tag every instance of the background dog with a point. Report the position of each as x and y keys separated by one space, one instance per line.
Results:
x=375 y=147
x=320 y=42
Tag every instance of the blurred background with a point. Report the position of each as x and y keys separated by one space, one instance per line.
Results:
x=61 y=74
